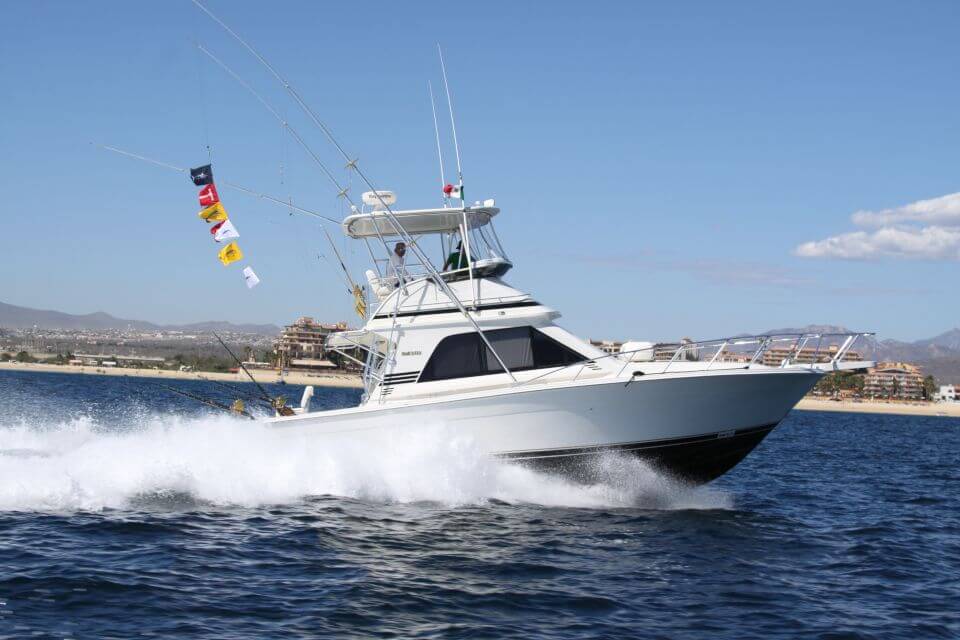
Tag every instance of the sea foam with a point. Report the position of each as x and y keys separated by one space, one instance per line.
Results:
x=81 y=465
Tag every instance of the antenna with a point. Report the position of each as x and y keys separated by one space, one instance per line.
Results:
x=453 y=123
x=436 y=130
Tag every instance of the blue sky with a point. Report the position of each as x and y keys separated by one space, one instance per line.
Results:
x=663 y=170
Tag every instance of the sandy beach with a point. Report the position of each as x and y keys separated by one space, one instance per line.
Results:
x=319 y=380
x=949 y=409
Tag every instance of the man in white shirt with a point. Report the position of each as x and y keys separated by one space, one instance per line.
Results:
x=397 y=269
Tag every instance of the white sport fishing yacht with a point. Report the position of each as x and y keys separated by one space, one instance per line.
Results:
x=446 y=340
x=457 y=345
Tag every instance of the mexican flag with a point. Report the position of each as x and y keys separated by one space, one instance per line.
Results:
x=452 y=191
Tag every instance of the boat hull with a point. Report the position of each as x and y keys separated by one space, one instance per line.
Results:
x=695 y=460
x=695 y=426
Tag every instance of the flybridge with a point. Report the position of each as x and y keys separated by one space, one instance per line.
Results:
x=419 y=221
x=469 y=247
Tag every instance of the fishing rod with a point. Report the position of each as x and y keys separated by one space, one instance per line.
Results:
x=232 y=185
x=237 y=407
x=340 y=260
x=322 y=256
x=239 y=362
x=232 y=389
x=278 y=404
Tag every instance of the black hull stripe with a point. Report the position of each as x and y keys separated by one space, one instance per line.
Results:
x=635 y=446
x=488 y=307
x=691 y=460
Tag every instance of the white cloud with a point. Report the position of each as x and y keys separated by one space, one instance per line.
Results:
x=923 y=230
x=944 y=210
x=929 y=243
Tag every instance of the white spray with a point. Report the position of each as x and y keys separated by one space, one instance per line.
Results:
x=224 y=461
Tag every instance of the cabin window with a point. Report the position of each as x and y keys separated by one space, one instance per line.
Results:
x=521 y=348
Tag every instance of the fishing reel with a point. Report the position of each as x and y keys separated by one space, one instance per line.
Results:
x=279 y=404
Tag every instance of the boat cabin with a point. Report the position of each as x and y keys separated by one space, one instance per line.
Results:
x=440 y=317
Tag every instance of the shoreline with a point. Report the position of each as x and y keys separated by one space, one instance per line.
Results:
x=934 y=409
x=352 y=381
x=340 y=380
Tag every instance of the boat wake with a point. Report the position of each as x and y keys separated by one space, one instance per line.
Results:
x=173 y=461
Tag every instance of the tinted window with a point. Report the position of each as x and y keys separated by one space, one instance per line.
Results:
x=547 y=352
x=521 y=348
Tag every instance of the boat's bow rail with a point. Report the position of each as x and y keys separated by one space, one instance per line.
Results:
x=825 y=352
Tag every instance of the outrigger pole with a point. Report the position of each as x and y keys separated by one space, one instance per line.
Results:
x=250 y=192
x=352 y=163
x=276 y=114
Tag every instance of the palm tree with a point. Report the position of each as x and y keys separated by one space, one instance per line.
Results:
x=929 y=387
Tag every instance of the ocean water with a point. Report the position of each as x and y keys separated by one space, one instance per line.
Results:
x=128 y=512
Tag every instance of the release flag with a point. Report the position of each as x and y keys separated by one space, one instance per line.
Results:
x=224 y=231
x=452 y=191
x=202 y=175
x=230 y=254
x=208 y=195
x=250 y=278
x=214 y=213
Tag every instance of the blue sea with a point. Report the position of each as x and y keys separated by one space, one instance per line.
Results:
x=128 y=512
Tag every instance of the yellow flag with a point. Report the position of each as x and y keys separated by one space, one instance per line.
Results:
x=230 y=253
x=359 y=304
x=213 y=213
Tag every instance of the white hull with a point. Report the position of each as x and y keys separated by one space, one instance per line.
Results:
x=697 y=425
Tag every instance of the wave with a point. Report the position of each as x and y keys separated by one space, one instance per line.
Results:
x=169 y=460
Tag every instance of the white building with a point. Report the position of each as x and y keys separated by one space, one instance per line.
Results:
x=948 y=393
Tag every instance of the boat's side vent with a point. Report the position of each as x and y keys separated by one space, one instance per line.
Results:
x=591 y=364
x=400 y=378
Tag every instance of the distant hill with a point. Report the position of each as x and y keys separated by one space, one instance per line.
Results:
x=948 y=340
x=14 y=317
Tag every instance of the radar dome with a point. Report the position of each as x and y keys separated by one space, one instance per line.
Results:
x=379 y=200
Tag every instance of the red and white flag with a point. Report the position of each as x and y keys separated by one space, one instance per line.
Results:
x=224 y=231
x=208 y=196
x=453 y=191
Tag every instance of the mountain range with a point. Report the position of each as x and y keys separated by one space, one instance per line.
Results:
x=14 y=317
x=939 y=355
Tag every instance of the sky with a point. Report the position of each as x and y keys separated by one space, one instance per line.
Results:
x=663 y=169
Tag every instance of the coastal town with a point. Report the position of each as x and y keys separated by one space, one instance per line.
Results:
x=296 y=354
